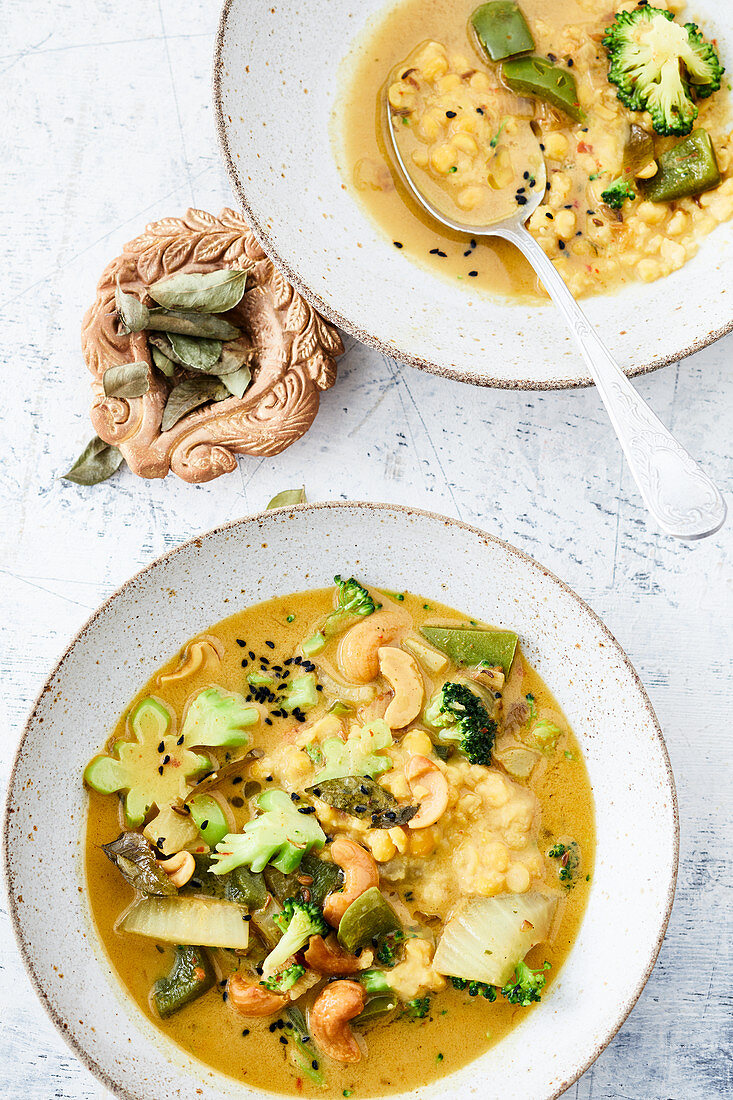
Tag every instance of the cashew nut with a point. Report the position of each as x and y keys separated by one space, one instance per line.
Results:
x=429 y=787
x=328 y=957
x=195 y=657
x=329 y=1019
x=403 y=676
x=254 y=1000
x=360 y=873
x=179 y=868
x=358 y=653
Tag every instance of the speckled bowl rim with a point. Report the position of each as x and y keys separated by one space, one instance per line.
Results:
x=365 y=337
x=24 y=947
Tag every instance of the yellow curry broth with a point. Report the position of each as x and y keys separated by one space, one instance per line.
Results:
x=596 y=249
x=458 y=1028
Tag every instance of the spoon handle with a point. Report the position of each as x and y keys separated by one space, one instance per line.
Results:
x=678 y=493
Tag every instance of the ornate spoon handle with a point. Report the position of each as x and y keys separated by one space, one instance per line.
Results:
x=678 y=493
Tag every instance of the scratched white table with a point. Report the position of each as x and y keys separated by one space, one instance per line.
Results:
x=107 y=124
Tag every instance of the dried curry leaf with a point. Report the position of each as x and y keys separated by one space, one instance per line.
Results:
x=131 y=311
x=164 y=364
x=126 y=380
x=97 y=462
x=191 y=324
x=189 y=395
x=212 y=292
x=234 y=356
x=161 y=341
x=194 y=352
x=288 y=497
x=360 y=796
x=238 y=382
x=134 y=859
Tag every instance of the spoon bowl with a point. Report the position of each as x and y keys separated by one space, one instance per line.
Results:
x=680 y=496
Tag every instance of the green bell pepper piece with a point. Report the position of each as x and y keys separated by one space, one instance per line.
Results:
x=466 y=646
x=538 y=77
x=502 y=30
x=192 y=975
x=367 y=918
x=688 y=168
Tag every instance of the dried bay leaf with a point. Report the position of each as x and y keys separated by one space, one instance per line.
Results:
x=189 y=395
x=213 y=292
x=234 y=356
x=238 y=381
x=161 y=341
x=288 y=497
x=97 y=462
x=165 y=365
x=191 y=324
x=194 y=352
x=132 y=313
x=126 y=380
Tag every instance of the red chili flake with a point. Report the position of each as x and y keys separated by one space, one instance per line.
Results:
x=583 y=147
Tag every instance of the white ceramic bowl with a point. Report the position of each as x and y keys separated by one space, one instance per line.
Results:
x=276 y=77
x=278 y=552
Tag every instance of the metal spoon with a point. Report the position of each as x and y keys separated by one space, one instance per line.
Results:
x=680 y=496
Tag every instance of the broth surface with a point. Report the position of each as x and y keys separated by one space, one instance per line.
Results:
x=402 y=1053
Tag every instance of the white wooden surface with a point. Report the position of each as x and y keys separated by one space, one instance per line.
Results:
x=107 y=124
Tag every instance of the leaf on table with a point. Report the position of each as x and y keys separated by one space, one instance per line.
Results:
x=212 y=292
x=97 y=462
x=126 y=380
x=189 y=395
x=288 y=497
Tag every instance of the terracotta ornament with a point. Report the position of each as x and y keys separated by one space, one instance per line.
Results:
x=295 y=360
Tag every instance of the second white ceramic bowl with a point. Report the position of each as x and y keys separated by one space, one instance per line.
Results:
x=211 y=577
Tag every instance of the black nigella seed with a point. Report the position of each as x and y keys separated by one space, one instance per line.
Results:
x=521 y=190
x=180 y=740
x=161 y=746
x=268 y=721
x=360 y=809
x=525 y=175
x=434 y=251
x=264 y=661
x=317 y=791
x=237 y=779
x=550 y=216
x=551 y=57
x=397 y=244
x=283 y=1040
x=521 y=200
x=270 y=645
x=568 y=206
x=479 y=110
x=160 y=770
x=467 y=252
x=251 y=655
x=443 y=254
x=160 y=842
x=473 y=243
x=247 y=917
x=295 y=797
x=314 y=1063
x=561 y=245
x=298 y=660
x=542 y=147
x=319 y=687
x=241 y=643
x=450 y=114
x=473 y=274
x=204 y=825
x=273 y=1027
x=306 y=809
x=547 y=186
x=245 y=662
x=570 y=62
x=245 y=1033
x=289 y=661
x=166 y=758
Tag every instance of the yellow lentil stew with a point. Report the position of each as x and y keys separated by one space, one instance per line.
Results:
x=338 y=825
x=628 y=102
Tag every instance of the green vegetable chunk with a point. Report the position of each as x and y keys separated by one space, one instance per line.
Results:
x=658 y=65
x=206 y=921
x=192 y=975
x=688 y=168
x=638 y=150
x=280 y=835
x=360 y=796
x=368 y=918
x=301 y=694
x=209 y=818
x=466 y=646
x=502 y=30
x=538 y=77
x=362 y=753
x=219 y=719
x=135 y=861
x=302 y=1048
x=298 y=921
x=459 y=715
x=285 y=979
x=353 y=602
x=418 y=1007
x=152 y=768
x=617 y=193
x=326 y=877
x=527 y=985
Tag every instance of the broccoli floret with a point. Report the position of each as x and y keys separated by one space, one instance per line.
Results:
x=285 y=980
x=475 y=989
x=389 y=947
x=302 y=693
x=375 y=981
x=546 y=734
x=353 y=599
x=527 y=986
x=280 y=836
x=418 y=1007
x=298 y=921
x=460 y=716
x=617 y=193
x=362 y=753
x=658 y=65
x=568 y=856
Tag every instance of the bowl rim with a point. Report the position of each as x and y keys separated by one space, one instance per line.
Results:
x=24 y=946
x=362 y=335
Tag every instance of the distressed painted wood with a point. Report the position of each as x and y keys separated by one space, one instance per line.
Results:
x=107 y=126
